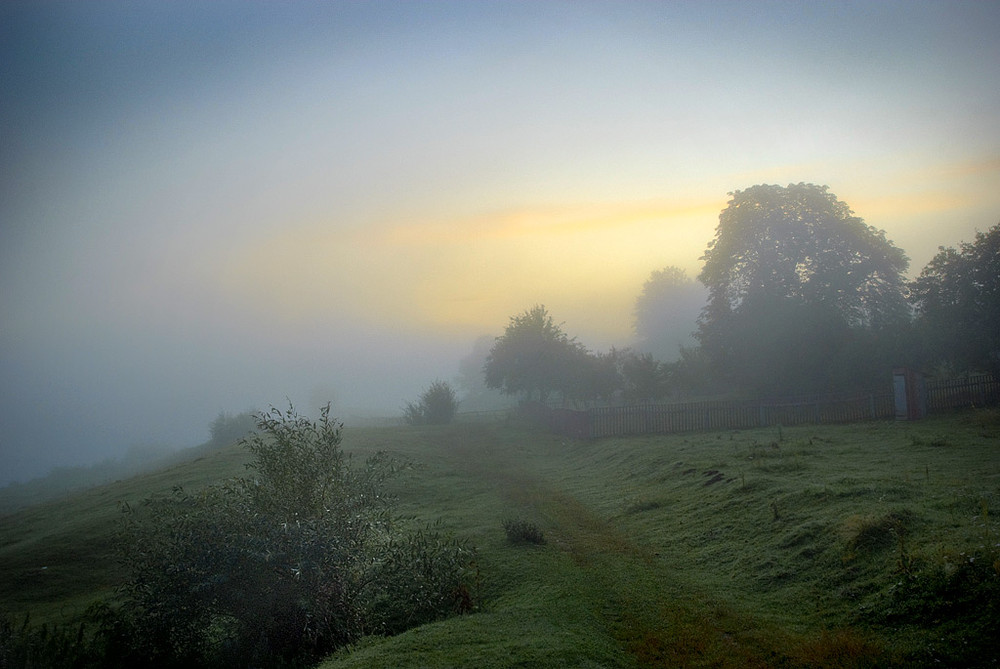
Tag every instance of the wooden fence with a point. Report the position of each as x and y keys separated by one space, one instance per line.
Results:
x=724 y=414
x=973 y=391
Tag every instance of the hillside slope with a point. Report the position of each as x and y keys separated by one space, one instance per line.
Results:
x=857 y=545
x=813 y=546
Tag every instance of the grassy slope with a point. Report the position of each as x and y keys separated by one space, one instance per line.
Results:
x=57 y=557
x=749 y=548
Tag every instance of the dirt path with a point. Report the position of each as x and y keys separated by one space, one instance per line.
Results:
x=642 y=606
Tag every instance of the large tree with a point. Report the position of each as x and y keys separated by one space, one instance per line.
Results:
x=533 y=357
x=957 y=297
x=666 y=312
x=791 y=273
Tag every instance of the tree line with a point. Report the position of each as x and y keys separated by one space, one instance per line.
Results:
x=797 y=295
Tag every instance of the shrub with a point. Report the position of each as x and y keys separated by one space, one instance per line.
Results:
x=868 y=533
x=959 y=599
x=437 y=406
x=522 y=532
x=282 y=566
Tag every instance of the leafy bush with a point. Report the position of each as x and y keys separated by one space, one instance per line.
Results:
x=282 y=566
x=960 y=599
x=522 y=532
x=869 y=533
x=437 y=406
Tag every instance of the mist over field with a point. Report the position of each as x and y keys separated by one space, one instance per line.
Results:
x=224 y=206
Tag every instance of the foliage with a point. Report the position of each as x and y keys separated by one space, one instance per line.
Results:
x=959 y=598
x=534 y=357
x=281 y=566
x=587 y=377
x=22 y=645
x=520 y=531
x=666 y=312
x=645 y=378
x=801 y=242
x=606 y=374
x=957 y=297
x=437 y=406
x=791 y=274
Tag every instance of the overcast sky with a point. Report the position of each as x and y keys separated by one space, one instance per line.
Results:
x=220 y=205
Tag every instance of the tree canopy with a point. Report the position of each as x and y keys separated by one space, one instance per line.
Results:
x=801 y=242
x=957 y=298
x=533 y=356
x=790 y=272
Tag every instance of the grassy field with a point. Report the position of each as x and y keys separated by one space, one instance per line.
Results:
x=872 y=544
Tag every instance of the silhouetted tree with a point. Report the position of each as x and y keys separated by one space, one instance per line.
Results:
x=533 y=357
x=607 y=378
x=957 y=299
x=645 y=378
x=790 y=273
x=588 y=378
x=666 y=312
x=474 y=394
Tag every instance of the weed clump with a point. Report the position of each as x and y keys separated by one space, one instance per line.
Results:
x=522 y=532
x=869 y=534
x=959 y=598
x=642 y=506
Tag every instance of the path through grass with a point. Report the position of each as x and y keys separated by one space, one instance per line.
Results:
x=814 y=546
x=609 y=588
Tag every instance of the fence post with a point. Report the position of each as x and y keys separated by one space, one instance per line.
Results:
x=763 y=416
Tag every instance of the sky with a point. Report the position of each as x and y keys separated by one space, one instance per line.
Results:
x=222 y=206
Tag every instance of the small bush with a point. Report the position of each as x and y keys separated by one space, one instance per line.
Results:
x=959 y=599
x=437 y=406
x=522 y=532
x=280 y=568
x=639 y=507
x=869 y=534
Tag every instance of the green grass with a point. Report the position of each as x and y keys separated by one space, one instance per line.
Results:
x=57 y=557
x=765 y=547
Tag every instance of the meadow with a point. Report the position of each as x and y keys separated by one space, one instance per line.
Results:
x=870 y=544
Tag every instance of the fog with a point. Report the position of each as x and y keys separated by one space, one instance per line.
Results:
x=73 y=403
x=222 y=206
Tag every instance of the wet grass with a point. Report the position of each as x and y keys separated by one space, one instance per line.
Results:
x=818 y=546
